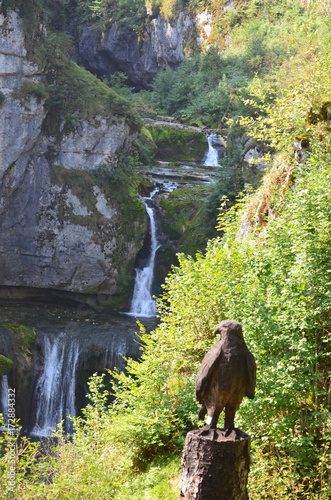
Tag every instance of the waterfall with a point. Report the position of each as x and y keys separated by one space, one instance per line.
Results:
x=114 y=353
x=4 y=398
x=212 y=154
x=143 y=303
x=55 y=389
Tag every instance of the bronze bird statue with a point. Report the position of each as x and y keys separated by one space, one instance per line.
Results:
x=227 y=374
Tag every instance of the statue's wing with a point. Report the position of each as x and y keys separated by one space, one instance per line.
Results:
x=251 y=375
x=205 y=373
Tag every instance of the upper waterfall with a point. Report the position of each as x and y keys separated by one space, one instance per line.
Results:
x=211 y=159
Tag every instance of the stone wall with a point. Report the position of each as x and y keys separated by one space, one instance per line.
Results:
x=58 y=232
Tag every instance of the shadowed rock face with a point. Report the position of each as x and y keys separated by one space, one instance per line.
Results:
x=119 y=49
x=55 y=234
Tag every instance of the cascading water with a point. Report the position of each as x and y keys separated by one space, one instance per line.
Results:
x=212 y=154
x=4 y=398
x=55 y=390
x=143 y=304
x=115 y=353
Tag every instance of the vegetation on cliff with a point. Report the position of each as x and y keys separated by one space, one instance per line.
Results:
x=6 y=365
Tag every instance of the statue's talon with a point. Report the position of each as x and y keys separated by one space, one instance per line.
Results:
x=228 y=431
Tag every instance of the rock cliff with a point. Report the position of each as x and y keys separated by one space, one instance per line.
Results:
x=119 y=48
x=62 y=228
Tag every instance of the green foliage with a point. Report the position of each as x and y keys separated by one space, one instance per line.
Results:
x=28 y=89
x=302 y=107
x=132 y=13
x=277 y=284
x=25 y=334
x=76 y=94
x=103 y=12
x=6 y=365
x=176 y=144
x=265 y=36
x=70 y=92
x=275 y=281
x=190 y=215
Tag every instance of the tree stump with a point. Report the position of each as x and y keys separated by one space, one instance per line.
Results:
x=215 y=465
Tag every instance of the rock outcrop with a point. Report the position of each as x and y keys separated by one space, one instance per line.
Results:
x=119 y=48
x=61 y=228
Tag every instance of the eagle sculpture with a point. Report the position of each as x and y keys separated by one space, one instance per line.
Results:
x=227 y=374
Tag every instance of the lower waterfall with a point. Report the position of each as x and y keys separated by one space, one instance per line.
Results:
x=143 y=304
x=55 y=390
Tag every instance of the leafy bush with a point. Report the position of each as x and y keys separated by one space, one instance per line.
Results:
x=278 y=286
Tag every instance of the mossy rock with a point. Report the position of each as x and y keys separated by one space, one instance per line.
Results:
x=321 y=115
x=183 y=218
x=179 y=143
x=25 y=335
x=166 y=257
x=6 y=365
x=303 y=139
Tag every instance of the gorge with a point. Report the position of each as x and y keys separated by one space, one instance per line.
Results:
x=184 y=145
x=68 y=240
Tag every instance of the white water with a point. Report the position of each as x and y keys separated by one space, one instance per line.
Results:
x=4 y=398
x=212 y=154
x=55 y=390
x=115 y=354
x=143 y=304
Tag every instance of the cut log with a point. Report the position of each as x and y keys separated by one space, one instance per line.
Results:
x=215 y=465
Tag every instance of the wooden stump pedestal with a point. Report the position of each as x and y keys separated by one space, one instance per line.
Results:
x=215 y=465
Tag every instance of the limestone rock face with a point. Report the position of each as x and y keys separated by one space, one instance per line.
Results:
x=60 y=228
x=119 y=49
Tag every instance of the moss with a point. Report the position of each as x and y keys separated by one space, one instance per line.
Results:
x=179 y=144
x=120 y=186
x=80 y=182
x=73 y=91
x=147 y=133
x=6 y=365
x=25 y=335
x=28 y=89
x=183 y=218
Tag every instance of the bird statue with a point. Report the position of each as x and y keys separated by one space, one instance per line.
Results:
x=227 y=374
